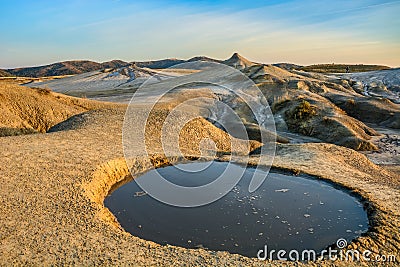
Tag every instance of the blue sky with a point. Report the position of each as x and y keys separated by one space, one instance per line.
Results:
x=303 y=32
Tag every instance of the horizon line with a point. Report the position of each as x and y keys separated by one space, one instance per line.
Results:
x=177 y=58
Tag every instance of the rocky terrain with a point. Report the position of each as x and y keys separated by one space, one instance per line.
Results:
x=328 y=108
x=343 y=128
x=54 y=184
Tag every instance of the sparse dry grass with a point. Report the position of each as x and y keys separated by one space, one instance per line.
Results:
x=303 y=111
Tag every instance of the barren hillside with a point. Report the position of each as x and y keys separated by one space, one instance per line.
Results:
x=29 y=110
x=65 y=68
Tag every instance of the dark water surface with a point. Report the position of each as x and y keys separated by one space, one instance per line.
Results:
x=286 y=212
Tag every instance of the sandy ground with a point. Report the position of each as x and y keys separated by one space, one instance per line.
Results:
x=53 y=186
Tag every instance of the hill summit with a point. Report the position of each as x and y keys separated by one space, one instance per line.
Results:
x=238 y=61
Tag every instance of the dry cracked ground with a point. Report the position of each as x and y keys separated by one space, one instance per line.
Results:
x=54 y=180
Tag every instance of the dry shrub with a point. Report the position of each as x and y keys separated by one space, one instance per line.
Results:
x=303 y=111
x=42 y=91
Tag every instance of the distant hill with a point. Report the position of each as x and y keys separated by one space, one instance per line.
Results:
x=236 y=60
x=287 y=66
x=169 y=62
x=65 y=68
x=82 y=66
x=113 y=64
x=203 y=58
x=159 y=64
x=4 y=73
x=341 y=68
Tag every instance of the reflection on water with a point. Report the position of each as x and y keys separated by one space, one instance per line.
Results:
x=286 y=212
